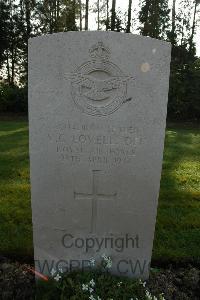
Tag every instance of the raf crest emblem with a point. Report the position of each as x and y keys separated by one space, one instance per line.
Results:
x=98 y=86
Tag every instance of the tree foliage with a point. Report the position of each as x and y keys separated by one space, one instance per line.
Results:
x=22 y=19
x=4 y=28
x=154 y=17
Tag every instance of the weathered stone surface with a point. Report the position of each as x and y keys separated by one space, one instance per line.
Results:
x=97 y=110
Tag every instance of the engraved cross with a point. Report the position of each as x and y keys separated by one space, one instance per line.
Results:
x=95 y=196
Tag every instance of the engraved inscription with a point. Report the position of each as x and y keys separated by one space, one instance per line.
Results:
x=99 y=87
x=77 y=142
x=93 y=143
x=95 y=196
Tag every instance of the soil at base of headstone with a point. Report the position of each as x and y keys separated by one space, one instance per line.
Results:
x=18 y=283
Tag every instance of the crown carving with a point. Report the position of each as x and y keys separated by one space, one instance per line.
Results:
x=99 y=51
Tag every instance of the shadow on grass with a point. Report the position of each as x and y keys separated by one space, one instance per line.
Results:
x=177 y=229
x=14 y=152
x=15 y=206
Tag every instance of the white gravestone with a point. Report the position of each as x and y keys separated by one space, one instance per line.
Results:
x=97 y=111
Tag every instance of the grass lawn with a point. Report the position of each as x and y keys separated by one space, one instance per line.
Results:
x=177 y=235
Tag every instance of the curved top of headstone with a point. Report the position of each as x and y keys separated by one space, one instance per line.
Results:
x=107 y=34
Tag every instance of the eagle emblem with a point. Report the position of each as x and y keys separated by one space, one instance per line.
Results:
x=98 y=86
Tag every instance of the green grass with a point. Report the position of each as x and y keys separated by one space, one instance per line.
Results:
x=15 y=205
x=177 y=235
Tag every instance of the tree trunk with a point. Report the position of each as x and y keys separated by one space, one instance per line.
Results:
x=58 y=9
x=193 y=26
x=98 y=15
x=173 y=22
x=145 y=29
x=113 y=15
x=50 y=17
x=57 y=14
x=128 y=29
x=8 y=67
x=28 y=19
x=86 y=14
x=107 y=15
x=74 y=14
x=80 y=15
x=12 y=66
x=182 y=32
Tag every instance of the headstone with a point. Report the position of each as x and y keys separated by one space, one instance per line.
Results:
x=97 y=111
